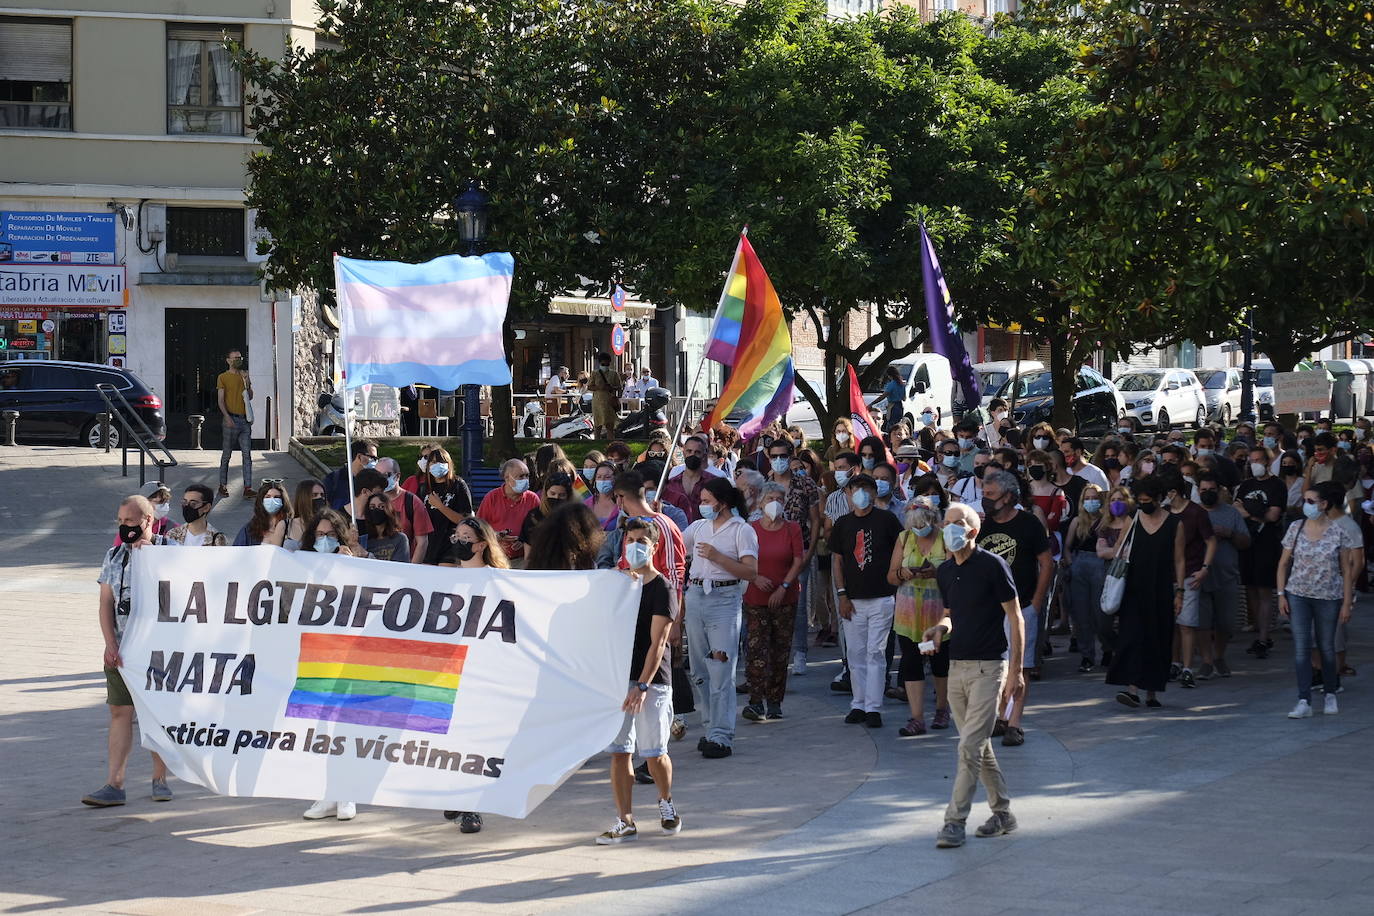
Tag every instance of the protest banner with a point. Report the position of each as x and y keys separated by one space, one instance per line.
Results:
x=1302 y=392
x=259 y=672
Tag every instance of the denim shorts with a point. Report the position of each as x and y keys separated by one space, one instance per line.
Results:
x=647 y=731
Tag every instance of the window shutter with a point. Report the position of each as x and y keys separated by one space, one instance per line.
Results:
x=214 y=33
x=39 y=52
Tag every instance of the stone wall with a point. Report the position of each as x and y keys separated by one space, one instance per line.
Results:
x=312 y=367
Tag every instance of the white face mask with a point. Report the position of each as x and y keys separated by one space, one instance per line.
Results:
x=162 y=509
x=842 y=438
x=1258 y=468
x=772 y=510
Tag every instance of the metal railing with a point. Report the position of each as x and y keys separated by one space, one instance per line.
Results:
x=148 y=444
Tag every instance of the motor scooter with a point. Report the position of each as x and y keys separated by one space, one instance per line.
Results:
x=575 y=424
x=638 y=424
x=329 y=419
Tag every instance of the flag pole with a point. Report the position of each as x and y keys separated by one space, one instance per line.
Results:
x=675 y=442
x=347 y=398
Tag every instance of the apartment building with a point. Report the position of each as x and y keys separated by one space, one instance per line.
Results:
x=929 y=8
x=124 y=238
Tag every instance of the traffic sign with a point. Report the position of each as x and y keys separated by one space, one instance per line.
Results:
x=618 y=298
x=618 y=339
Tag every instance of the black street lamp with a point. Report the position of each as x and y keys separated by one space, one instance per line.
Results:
x=1247 y=376
x=471 y=209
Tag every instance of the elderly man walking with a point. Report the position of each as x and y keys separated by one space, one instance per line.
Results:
x=981 y=606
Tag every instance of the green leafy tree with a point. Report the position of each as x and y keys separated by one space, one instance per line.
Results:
x=1225 y=171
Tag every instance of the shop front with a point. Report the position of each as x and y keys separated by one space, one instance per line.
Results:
x=53 y=334
x=575 y=331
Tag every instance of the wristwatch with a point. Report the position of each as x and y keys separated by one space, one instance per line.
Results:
x=643 y=687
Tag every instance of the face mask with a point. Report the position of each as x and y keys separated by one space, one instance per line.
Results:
x=927 y=418
x=1344 y=444
x=1040 y=442
x=884 y=488
x=707 y=512
x=956 y=537
x=272 y=505
x=1258 y=469
x=602 y=486
x=869 y=463
x=801 y=472
x=393 y=482
x=1147 y=467
x=520 y=486
x=1123 y=430
x=980 y=470
x=370 y=463
x=1111 y=464
x=190 y=513
x=950 y=461
x=1036 y=473
x=842 y=438
x=1289 y=470
x=1188 y=479
x=798 y=443
x=1270 y=442
x=650 y=495
x=924 y=532
x=1209 y=497
x=422 y=463
x=903 y=467
x=1092 y=506
x=990 y=507
x=129 y=534
x=772 y=510
x=780 y=465
x=693 y=462
x=1359 y=434
x=1311 y=510
x=319 y=504
x=965 y=444
x=438 y=469
x=637 y=554
x=463 y=551
x=841 y=478
x=1204 y=452
x=1118 y=507
x=376 y=517
x=1147 y=508
x=326 y=543
x=861 y=499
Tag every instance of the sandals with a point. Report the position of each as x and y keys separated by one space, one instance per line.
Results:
x=895 y=693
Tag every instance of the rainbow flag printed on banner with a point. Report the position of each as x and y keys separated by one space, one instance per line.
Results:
x=370 y=680
x=750 y=335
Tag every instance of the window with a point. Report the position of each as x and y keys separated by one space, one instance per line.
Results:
x=998 y=6
x=940 y=6
x=36 y=74
x=204 y=91
x=205 y=231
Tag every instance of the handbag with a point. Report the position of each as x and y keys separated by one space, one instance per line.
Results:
x=1114 y=588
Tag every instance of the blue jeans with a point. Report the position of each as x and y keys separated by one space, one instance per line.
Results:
x=1321 y=614
x=240 y=434
x=713 y=622
x=1087 y=575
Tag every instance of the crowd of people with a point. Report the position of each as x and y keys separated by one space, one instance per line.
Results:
x=920 y=552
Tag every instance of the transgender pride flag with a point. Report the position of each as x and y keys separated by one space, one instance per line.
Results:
x=438 y=323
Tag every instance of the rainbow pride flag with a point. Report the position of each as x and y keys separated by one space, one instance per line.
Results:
x=750 y=335
x=370 y=680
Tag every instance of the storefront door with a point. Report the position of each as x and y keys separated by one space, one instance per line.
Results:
x=197 y=340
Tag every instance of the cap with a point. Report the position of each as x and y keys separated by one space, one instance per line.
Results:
x=154 y=487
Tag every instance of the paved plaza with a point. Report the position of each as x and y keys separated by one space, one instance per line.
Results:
x=1215 y=804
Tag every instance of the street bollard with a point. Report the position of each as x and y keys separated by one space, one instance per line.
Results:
x=11 y=421
x=197 y=424
x=104 y=420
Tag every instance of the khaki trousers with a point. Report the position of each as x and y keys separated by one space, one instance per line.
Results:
x=975 y=689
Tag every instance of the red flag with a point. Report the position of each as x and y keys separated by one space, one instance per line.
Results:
x=858 y=410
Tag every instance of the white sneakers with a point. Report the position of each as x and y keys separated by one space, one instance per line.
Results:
x=344 y=811
x=1304 y=709
x=798 y=664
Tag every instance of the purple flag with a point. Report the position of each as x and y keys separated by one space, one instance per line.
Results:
x=944 y=331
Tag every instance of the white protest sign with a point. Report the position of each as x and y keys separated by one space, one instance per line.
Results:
x=1301 y=392
x=260 y=672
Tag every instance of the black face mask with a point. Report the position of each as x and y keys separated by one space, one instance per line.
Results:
x=692 y=462
x=990 y=507
x=191 y=513
x=376 y=517
x=1147 y=508
x=130 y=534
x=980 y=470
x=319 y=504
x=1111 y=464
x=1209 y=497
x=462 y=550
x=1290 y=470
x=1036 y=473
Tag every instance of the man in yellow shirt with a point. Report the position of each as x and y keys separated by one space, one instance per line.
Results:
x=235 y=390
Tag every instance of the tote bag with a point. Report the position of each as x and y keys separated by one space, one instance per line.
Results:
x=1114 y=589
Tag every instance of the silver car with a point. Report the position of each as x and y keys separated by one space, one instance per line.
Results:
x=1221 y=387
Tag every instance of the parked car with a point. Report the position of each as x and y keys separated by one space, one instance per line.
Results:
x=57 y=400
x=928 y=382
x=1264 y=388
x=991 y=377
x=1221 y=387
x=1163 y=398
x=1096 y=403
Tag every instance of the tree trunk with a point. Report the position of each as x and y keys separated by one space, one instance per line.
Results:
x=502 y=445
x=1063 y=376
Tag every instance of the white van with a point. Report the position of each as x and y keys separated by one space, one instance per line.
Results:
x=929 y=383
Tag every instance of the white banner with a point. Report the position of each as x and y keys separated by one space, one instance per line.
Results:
x=54 y=285
x=1301 y=392
x=260 y=672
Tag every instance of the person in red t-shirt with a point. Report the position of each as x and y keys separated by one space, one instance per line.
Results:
x=505 y=508
x=770 y=606
x=411 y=515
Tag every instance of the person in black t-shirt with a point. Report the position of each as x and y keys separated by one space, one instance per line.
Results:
x=1261 y=501
x=861 y=545
x=981 y=609
x=648 y=704
x=1019 y=538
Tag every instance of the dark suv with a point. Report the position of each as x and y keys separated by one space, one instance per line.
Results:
x=1096 y=402
x=58 y=401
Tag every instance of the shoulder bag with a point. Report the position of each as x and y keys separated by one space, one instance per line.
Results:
x=1114 y=589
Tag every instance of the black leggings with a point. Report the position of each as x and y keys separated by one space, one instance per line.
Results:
x=913 y=664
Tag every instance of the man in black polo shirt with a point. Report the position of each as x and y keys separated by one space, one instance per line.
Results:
x=979 y=596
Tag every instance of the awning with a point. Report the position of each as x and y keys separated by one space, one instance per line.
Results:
x=597 y=308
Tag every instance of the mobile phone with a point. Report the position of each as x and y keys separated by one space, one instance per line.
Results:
x=927 y=647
